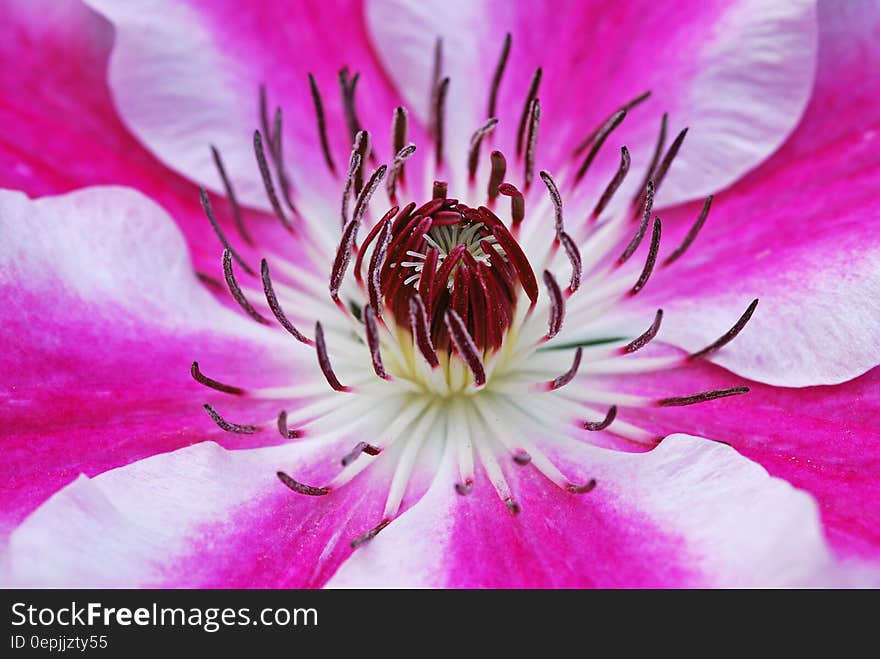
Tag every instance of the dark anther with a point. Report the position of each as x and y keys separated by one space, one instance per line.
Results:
x=439 y=118
x=702 y=397
x=229 y=427
x=436 y=73
x=399 y=126
x=647 y=337
x=199 y=377
x=692 y=234
x=230 y=193
x=668 y=158
x=499 y=169
x=418 y=320
x=522 y=458
x=643 y=225
x=556 y=198
x=568 y=376
x=300 y=488
x=512 y=506
x=730 y=334
x=574 y=257
x=599 y=140
x=651 y=260
x=343 y=258
x=465 y=345
x=236 y=291
x=348 y=88
x=274 y=305
x=439 y=190
x=604 y=423
x=557 y=305
x=531 y=143
x=354 y=165
x=363 y=200
x=283 y=430
x=206 y=206
x=476 y=141
x=267 y=181
x=464 y=488
x=527 y=110
x=369 y=535
x=324 y=360
x=278 y=157
x=377 y=260
x=582 y=489
x=372 y=329
x=615 y=182
x=629 y=105
x=264 y=116
x=360 y=447
x=496 y=78
x=322 y=123
x=649 y=173
x=517 y=202
x=397 y=170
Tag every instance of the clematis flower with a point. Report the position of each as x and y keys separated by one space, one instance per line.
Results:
x=463 y=311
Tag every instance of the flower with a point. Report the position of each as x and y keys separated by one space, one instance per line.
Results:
x=440 y=373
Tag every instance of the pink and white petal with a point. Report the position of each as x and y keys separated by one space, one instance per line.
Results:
x=799 y=233
x=822 y=439
x=691 y=513
x=103 y=317
x=738 y=73
x=203 y=517
x=61 y=50
x=186 y=75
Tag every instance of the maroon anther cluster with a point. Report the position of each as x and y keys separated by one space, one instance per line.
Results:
x=481 y=291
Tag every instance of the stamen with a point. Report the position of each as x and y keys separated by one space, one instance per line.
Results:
x=557 y=306
x=522 y=458
x=629 y=105
x=668 y=158
x=465 y=345
x=348 y=105
x=267 y=181
x=476 y=141
x=517 y=202
x=464 y=488
x=230 y=194
x=421 y=330
x=439 y=113
x=199 y=377
x=206 y=206
x=730 y=334
x=646 y=338
x=568 y=376
x=649 y=173
x=284 y=430
x=264 y=116
x=274 y=305
x=436 y=72
x=300 y=488
x=377 y=260
x=557 y=200
x=372 y=329
x=499 y=169
x=574 y=257
x=651 y=260
x=582 y=489
x=324 y=360
x=363 y=200
x=514 y=252
x=359 y=448
x=278 y=157
x=527 y=109
x=499 y=72
x=397 y=170
x=369 y=535
x=692 y=234
x=229 y=427
x=615 y=182
x=600 y=138
x=439 y=190
x=236 y=291
x=702 y=397
x=354 y=163
x=531 y=143
x=322 y=123
x=643 y=225
x=399 y=126
x=343 y=257
x=604 y=423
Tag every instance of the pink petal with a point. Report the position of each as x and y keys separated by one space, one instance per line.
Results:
x=737 y=72
x=685 y=514
x=823 y=440
x=186 y=75
x=799 y=233
x=103 y=318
